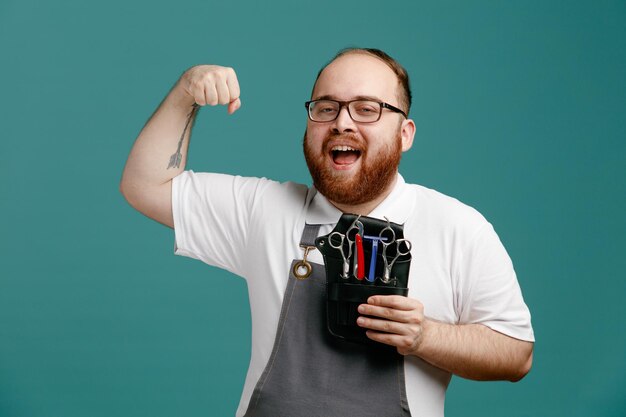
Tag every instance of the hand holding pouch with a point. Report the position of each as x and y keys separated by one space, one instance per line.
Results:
x=344 y=291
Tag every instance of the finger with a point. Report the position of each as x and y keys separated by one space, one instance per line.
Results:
x=211 y=94
x=223 y=95
x=233 y=85
x=404 y=344
x=199 y=97
x=398 y=302
x=234 y=106
x=386 y=326
x=404 y=316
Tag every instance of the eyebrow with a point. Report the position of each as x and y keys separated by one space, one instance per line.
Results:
x=331 y=97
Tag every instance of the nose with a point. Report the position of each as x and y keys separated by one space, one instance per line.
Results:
x=343 y=122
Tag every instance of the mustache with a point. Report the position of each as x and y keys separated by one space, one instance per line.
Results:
x=344 y=138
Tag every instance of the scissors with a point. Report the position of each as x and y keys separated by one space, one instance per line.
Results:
x=357 y=227
x=340 y=237
x=399 y=252
x=337 y=240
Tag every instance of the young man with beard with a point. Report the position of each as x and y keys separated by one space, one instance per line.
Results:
x=464 y=314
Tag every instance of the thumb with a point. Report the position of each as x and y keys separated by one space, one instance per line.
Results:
x=234 y=105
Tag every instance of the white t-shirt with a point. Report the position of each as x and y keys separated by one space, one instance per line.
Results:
x=252 y=227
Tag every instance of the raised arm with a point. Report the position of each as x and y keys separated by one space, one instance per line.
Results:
x=160 y=151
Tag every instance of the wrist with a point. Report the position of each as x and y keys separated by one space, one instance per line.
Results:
x=180 y=98
x=428 y=328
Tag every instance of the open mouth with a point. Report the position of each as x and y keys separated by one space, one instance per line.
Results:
x=344 y=155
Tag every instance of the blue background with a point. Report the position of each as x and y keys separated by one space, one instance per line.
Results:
x=519 y=109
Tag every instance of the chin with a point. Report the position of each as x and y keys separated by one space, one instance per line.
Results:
x=361 y=181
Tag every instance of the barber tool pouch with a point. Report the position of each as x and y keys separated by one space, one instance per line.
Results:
x=344 y=290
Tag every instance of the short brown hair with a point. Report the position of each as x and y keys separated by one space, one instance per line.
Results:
x=404 y=93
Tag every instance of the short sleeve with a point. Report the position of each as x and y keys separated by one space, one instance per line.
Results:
x=211 y=215
x=491 y=293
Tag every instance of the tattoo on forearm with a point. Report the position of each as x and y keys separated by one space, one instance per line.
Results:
x=177 y=157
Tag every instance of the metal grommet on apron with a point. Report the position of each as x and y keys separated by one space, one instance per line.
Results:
x=311 y=373
x=302 y=269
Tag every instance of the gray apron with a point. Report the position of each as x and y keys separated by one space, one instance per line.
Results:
x=311 y=373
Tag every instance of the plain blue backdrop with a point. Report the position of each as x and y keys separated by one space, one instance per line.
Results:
x=519 y=109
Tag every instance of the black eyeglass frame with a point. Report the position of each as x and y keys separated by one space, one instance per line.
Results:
x=346 y=104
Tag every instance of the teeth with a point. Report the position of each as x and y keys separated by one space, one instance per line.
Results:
x=342 y=148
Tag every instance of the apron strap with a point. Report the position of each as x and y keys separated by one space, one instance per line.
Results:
x=302 y=269
x=309 y=234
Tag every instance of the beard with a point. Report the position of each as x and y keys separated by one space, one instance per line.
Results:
x=375 y=175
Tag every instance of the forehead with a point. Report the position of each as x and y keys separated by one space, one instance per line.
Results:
x=357 y=74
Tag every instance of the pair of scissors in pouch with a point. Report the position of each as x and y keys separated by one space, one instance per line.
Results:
x=390 y=236
x=338 y=241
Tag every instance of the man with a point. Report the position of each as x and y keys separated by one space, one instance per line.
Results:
x=464 y=314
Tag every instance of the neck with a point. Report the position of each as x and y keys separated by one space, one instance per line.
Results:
x=366 y=208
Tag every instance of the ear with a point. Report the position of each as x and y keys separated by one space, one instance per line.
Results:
x=407 y=131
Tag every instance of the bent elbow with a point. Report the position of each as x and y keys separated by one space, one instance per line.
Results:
x=125 y=185
x=131 y=194
x=124 y=190
x=523 y=369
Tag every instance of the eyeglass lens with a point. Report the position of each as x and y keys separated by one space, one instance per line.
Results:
x=360 y=110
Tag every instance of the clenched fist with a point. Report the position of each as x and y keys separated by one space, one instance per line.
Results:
x=212 y=85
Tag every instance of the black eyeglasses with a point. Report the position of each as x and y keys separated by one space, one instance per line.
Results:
x=361 y=111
